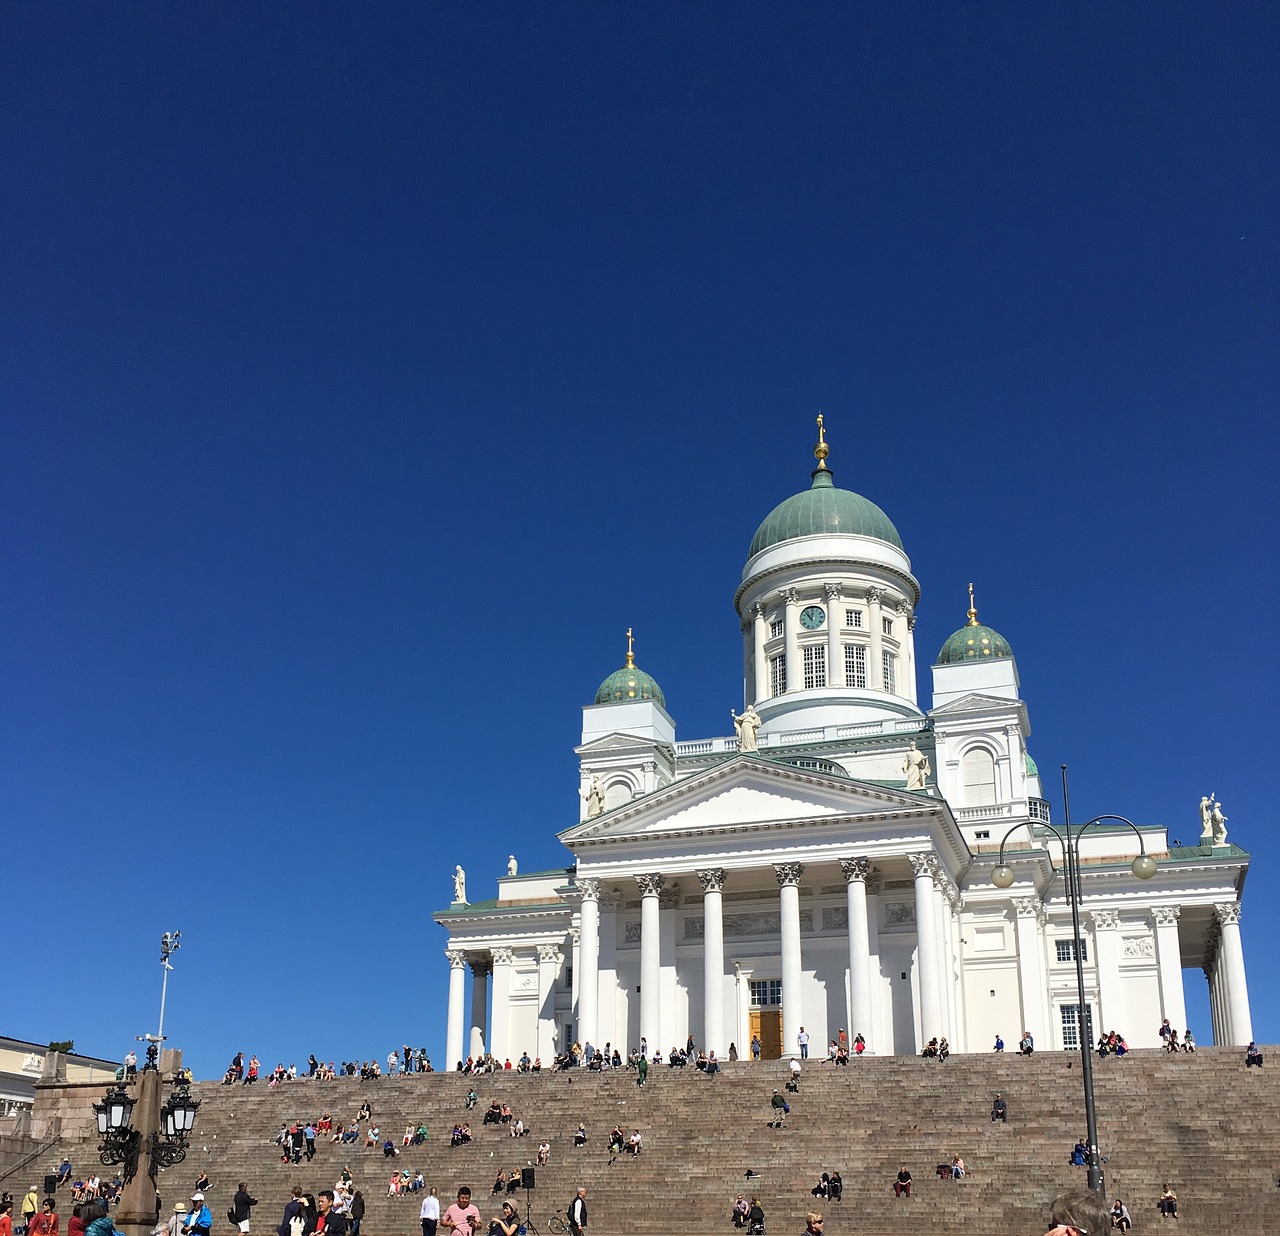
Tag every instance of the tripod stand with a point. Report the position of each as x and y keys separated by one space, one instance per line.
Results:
x=528 y=1212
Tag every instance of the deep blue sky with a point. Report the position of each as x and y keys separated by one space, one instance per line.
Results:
x=369 y=369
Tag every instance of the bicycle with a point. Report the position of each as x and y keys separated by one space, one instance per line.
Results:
x=557 y=1225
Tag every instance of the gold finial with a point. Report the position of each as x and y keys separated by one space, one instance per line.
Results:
x=822 y=450
x=631 y=656
x=973 y=613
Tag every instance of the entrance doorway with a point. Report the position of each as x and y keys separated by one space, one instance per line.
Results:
x=767 y=1023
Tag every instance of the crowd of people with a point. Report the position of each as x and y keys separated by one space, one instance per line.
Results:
x=407 y=1060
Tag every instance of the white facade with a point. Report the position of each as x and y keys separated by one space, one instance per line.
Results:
x=722 y=893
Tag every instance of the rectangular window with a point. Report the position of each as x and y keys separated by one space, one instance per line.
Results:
x=775 y=628
x=890 y=677
x=778 y=674
x=984 y=834
x=766 y=993
x=1071 y=1025
x=853 y=618
x=815 y=666
x=886 y=625
x=1067 y=953
x=855 y=665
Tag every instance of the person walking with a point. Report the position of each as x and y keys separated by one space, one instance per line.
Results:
x=46 y=1222
x=578 y=1213
x=642 y=1071
x=429 y=1213
x=241 y=1205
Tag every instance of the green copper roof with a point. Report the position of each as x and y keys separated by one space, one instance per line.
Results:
x=1032 y=770
x=975 y=643
x=822 y=508
x=629 y=683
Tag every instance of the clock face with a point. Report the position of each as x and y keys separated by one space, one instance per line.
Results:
x=812 y=617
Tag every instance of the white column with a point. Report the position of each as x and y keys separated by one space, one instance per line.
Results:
x=607 y=972
x=503 y=963
x=587 y=975
x=907 y=670
x=1106 y=946
x=712 y=881
x=835 y=657
x=673 y=995
x=650 y=961
x=549 y=959
x=575 y=980
x=1231 y=963
x=860 y=1007
x=1030 y=915
x=875 y=671
x=455 y=1025
x=478 y=1039
x=791 y=636
x=945 y=893
x=792 y=972
x=927 y=946
x=1173 y=1003
x=760 y=630
x=945 y=968
x=742 y=993
x=876 y=1039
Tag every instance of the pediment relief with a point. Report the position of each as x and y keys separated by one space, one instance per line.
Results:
x=744 y=794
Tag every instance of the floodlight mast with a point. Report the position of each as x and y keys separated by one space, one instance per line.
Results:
x=170 y=942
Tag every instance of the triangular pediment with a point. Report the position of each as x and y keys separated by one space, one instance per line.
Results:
x=977 y=702
x=745 y=792
x=613 y=742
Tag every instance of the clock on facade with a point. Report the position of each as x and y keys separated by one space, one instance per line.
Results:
x=812 y=617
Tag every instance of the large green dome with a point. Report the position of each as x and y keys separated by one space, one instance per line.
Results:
x=822 y=508
x=627 y=684
x=974 y=643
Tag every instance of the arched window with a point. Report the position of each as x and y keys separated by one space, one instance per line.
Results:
x=979 y=777
x=616 y=794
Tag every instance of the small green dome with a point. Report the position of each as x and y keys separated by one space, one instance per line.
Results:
x=974 y=643
x=822 y=508
x=1032 y=770
x=627 y=684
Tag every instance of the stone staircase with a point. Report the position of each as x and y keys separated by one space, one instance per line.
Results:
x=1204 y=1123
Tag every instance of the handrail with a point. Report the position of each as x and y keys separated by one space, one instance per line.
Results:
x=31 y=1158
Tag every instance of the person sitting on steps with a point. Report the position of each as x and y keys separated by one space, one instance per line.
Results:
x=1000 y=1109
x=902 y=1185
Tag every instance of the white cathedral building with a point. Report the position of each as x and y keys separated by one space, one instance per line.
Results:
x=830 y=867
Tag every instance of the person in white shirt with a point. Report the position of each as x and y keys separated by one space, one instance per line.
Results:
x=430 y=1213
x=802 y=1039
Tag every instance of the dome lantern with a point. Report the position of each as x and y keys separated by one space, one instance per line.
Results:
x=630 y=683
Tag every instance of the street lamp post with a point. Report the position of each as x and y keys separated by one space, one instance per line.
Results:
x=1143 y=867
x=139 y=1134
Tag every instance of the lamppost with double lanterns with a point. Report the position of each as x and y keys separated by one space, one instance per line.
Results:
x=1143 y=867
x=139 y=1134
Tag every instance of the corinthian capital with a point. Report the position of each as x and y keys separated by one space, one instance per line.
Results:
x=1105 y=920
x=712 y=880
x=650 y=885
x=833 y=591
x=855 y=869
x=875 y=595
x=503 y=956
x=790 y=596
x=549 y=954
x=788 y=874
x=1165 y=916
x=1227 y=912
x=923 y=863
x=590 y=888
x=456 y=958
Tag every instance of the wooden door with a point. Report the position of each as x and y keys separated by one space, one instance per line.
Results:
x=767 y=1023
